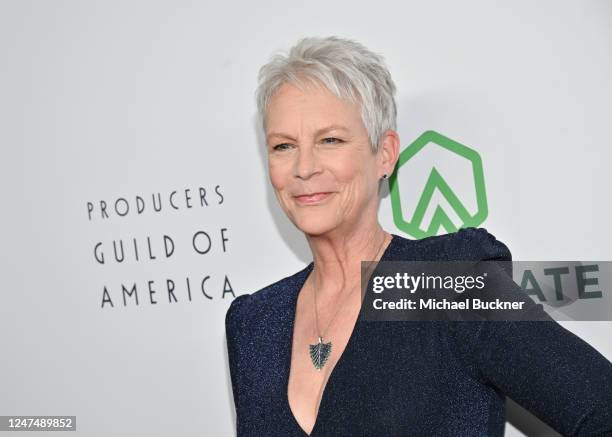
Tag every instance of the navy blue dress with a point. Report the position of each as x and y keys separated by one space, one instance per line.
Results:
x=428 y=378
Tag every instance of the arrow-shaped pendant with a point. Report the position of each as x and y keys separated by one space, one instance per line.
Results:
x=319 y=353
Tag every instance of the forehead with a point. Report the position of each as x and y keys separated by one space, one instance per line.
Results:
x=296 y=111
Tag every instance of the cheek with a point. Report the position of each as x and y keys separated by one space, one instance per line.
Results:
x=279 y=174
x=350 y=177
x=356 y=176
x=352 y=170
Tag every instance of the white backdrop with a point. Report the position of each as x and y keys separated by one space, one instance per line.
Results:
x=101 y=101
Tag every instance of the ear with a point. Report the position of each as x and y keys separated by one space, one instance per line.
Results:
x=388 y=152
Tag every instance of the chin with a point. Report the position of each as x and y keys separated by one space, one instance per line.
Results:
x=315 y=225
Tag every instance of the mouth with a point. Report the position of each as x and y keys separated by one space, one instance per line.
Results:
x=313 y=197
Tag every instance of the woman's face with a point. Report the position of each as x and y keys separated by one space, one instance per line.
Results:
x=317 y=143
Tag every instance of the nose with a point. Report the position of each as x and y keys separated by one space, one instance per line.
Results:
x=306 y=163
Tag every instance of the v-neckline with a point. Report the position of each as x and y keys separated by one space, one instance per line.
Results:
x=351 y=340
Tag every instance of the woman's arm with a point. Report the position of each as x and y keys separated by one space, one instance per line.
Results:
x=551 y=372
x=538 y=363
x=232 y=332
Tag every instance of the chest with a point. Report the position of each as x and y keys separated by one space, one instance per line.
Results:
x=313 y=361
x=389 y=377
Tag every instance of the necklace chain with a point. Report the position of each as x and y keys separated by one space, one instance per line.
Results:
x=321 y=335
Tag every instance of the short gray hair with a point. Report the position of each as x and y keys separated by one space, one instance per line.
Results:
x=346 y=68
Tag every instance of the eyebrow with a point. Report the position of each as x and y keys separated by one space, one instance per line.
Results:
x=317 y=133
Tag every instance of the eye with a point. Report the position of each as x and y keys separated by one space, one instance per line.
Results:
x=332 y=138
x=282 y=146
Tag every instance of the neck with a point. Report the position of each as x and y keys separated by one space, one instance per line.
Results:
x=337 y=257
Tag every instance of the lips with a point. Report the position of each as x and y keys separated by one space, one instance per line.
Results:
x=313 y=198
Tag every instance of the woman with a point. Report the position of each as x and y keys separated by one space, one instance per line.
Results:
x=301 y=360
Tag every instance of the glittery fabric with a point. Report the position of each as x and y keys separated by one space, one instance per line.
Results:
x=426 y=378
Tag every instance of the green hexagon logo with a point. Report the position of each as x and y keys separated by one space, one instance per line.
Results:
x=414 y=222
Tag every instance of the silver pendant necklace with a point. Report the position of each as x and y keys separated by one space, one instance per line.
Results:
x=320 y=352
